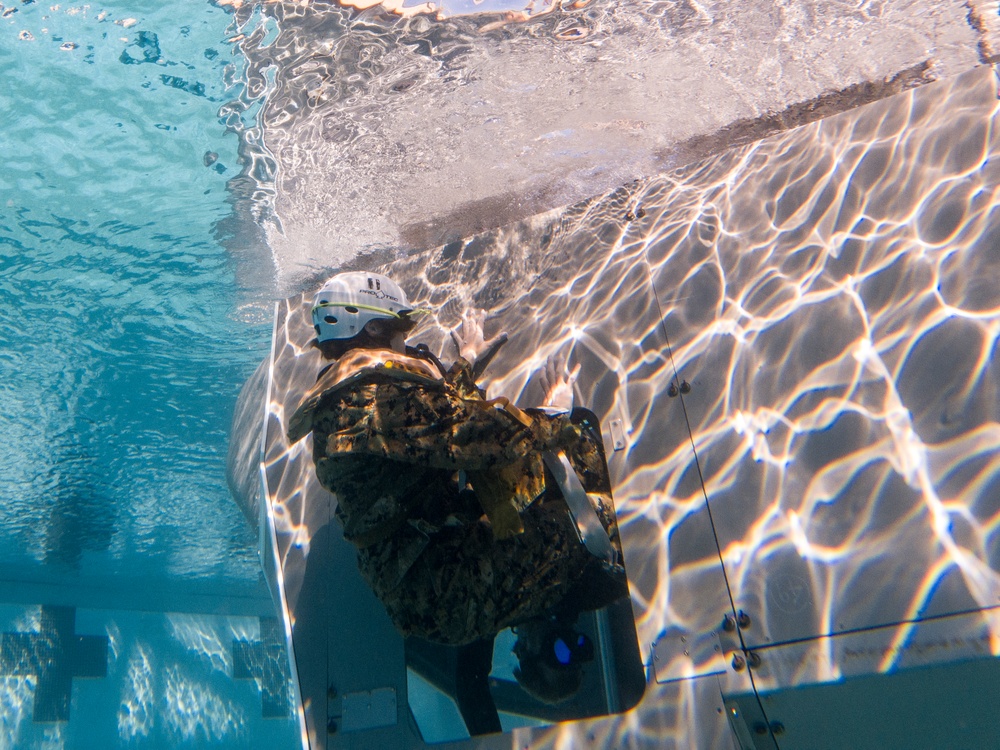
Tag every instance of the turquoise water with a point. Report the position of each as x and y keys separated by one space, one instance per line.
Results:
x=124 y=343
x=125 y=338
x=135 y=301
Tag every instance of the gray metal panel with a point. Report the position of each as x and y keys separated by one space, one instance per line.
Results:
x=843 y=379
x=946 y=706
x=340 y=607
x=810 y=305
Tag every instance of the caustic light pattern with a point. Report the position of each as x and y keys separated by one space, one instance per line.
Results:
x=829 y=296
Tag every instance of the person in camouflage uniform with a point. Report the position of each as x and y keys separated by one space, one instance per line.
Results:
x=460 y=529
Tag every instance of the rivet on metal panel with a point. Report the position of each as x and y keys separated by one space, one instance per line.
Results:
x=728 y=624
x=743 y=620
x=753 y=659
x=739 y=663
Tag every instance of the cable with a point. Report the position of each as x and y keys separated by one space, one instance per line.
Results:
x=708 y=508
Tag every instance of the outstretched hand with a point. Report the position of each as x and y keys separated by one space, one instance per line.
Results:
x=557 y=382
x=471 y=343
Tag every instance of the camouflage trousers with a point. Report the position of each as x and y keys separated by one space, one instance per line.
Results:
x=465 y=584
x=448 y=566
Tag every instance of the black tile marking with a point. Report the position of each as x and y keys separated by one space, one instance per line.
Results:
x=267 y=661
x=55 y=655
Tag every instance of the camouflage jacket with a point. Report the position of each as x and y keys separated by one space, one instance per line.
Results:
x=386 y=405
x=391 y=434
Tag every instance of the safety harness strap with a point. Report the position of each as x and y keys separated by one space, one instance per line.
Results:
x=588 y=524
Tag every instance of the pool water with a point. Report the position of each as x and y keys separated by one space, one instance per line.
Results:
x=147 y=225
x=126 y=336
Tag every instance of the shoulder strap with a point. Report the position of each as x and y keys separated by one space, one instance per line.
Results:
x=422 y=351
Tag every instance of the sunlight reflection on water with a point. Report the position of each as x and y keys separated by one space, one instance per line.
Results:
x=830 y=295
x=368 y=132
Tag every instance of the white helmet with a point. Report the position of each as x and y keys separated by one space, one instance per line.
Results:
x=349 y=300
